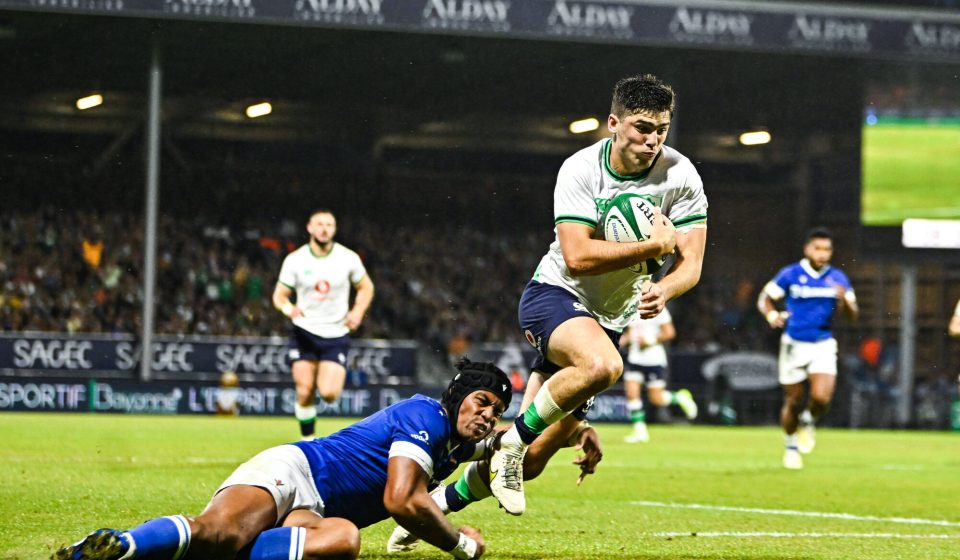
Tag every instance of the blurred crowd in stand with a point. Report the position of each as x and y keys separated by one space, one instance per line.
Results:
x=442 y=285
x=65 y=271
x=82 y=272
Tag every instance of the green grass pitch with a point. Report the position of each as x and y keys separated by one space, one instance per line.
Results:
x=910 y=170
x=692 y=492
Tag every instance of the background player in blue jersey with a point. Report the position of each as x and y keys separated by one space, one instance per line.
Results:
x=308 y=499
x=812 y=290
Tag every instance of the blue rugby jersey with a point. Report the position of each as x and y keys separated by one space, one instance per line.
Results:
x=350 y=466
x=810 y=298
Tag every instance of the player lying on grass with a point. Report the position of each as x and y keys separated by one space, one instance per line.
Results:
x=474 y=483
x=308 y=499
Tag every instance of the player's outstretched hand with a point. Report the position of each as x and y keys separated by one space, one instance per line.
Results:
x=652 y=300
x=475 y=535
x=663 y=233
x=589 y=443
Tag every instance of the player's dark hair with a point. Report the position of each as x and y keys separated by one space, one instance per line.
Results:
x=471 y=377
x=818 y=232
x=643 y=92
x=316 y=211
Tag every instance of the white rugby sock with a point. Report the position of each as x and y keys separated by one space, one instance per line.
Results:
x=305 y=413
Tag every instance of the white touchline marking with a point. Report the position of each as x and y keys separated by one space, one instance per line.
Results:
x=741 y=534
x=847 y=516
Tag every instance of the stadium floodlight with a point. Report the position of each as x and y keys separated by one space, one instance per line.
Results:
x=584 y=125
x=259 y=110
x=89 y=101
x=755 y=138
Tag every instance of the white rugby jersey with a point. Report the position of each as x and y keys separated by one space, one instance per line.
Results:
x=641 y=329
x=585 y=185
x=322 y=285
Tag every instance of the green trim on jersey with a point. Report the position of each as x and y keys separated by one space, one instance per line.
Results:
x=316 y=256
x=696 y=218
x=294 y=288
x=605 y=163
x=536 y=273
x=576 y=219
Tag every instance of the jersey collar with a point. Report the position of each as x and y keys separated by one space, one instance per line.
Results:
x=605 y=163
x=808 y=268
x=316 y=256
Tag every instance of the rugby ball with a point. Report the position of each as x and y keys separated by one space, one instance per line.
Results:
x=628 y=219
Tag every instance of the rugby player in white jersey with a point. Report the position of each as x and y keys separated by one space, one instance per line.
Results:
x=647 y=364
x=811 y=290
x=583 y=294
x=321 y=273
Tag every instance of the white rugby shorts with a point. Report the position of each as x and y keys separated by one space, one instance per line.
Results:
x=799 y=359
x=285 y=473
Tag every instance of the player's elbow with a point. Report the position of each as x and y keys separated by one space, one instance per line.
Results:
x=765 y=301
x=578 y=266
x=404 y=513
x=400 y=506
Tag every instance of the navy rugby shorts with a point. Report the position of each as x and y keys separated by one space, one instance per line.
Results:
x=543 y=308
x=651 y=375
x=304 y=345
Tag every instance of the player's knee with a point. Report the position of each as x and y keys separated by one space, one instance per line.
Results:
x=305 y=397
x=820 y=401
x=330 y=397
x=351 y=543
x=656 y=397
x=602 y=372
x=336 y=538
x=793 y=402
x=215 y=538
x=222 y=537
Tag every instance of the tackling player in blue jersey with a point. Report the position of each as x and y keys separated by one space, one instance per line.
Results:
x=812 y=291
x=308 y=500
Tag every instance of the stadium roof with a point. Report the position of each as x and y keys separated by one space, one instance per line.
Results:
x=381 y=88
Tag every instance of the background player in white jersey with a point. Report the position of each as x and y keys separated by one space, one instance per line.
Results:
x=321 y=274
x=647 y=363
x=308 y=499
x=583 y=293
x=812 y=290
